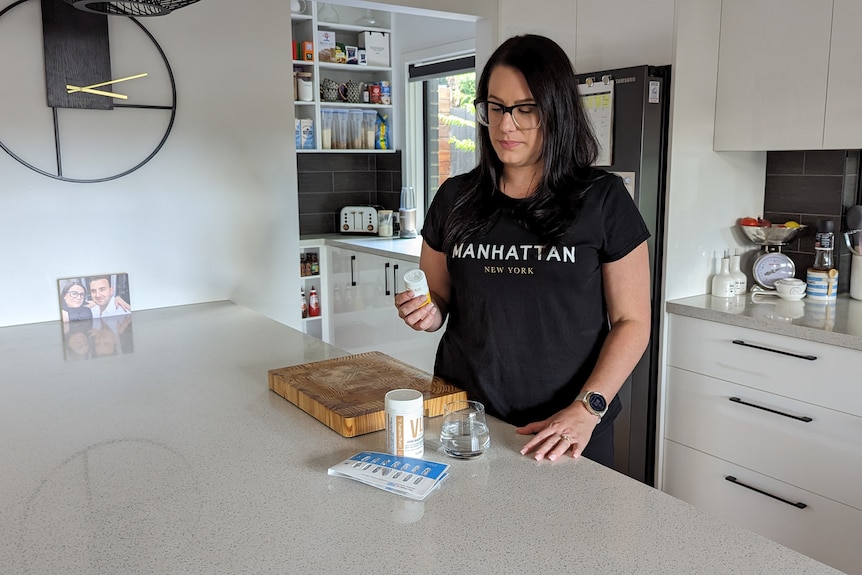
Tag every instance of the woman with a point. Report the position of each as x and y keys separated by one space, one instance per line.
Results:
x=539 y=262
x=72 y=308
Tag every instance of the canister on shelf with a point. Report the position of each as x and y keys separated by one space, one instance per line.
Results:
x=304 y=89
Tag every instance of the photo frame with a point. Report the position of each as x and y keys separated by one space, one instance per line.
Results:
x=94 y=297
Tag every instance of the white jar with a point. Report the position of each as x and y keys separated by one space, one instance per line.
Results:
x=304 y=90
x=415 y=280
x=405 y=422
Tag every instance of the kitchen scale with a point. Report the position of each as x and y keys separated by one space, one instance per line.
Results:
x=771 y=265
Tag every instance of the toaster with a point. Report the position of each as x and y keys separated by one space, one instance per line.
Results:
x=358 y=220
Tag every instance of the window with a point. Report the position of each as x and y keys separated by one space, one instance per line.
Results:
x=440 y=108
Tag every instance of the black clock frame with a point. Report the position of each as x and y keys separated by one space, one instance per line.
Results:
x=172 y=108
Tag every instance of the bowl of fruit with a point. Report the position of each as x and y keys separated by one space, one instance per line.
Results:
x=764 y=232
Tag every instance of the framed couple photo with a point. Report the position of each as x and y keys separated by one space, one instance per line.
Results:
x=94 y=297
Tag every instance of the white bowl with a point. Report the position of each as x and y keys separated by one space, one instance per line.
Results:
x=793 y=287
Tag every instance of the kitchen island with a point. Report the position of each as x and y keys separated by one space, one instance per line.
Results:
x=168 y=453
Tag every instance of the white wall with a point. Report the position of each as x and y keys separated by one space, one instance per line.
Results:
x=213 y=216
x=708 y=190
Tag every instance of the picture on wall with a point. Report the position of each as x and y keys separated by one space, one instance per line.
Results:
x=94 y=297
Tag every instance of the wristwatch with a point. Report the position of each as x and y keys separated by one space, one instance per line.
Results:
x=595 y=402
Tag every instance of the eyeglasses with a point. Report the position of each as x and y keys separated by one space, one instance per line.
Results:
x=76 y=294
x=525 y=116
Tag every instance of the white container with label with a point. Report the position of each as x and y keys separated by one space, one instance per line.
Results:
x=405 y=422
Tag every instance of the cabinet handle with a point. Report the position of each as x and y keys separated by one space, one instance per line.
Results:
x=800 y=356
x=736 y=481
x=352 y=279
x=804 y=418
x=386 y=278
x=395 y=278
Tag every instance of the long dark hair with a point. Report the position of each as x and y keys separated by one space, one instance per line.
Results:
x=569 y=147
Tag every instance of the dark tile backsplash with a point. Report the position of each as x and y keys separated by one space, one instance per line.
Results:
x=330 y=181
x=808 y=186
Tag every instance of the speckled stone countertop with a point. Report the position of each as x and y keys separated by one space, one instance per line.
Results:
x=162 y=450
x=838 y=323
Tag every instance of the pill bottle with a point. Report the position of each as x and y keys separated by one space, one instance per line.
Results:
x=415 y=280
x=405 y=422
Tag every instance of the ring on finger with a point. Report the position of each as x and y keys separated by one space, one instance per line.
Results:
x=565 y=437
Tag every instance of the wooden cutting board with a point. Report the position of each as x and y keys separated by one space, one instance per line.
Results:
x=346 y=393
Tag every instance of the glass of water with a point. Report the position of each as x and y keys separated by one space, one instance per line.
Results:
x=464 y=433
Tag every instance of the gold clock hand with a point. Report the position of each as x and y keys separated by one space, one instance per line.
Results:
x=70 y=89
x=91 y=86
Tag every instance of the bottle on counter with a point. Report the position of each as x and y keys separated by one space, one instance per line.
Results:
x=824 y=242
x=822 y=279
x=313 y=303
x=315 y=264
x=738 y=274
x=724 y=284
x=304 y=304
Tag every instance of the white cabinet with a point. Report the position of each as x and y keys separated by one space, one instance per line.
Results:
x=763 y=430
x=362 y=289
x=772 y=74
x=843 y=104
x=345 y=23
x=788 y=75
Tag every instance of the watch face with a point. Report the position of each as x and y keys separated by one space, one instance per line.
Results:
x=771 y=267
x=597 y=402
x=64 y=116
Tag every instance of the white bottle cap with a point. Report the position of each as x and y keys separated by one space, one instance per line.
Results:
x=404 y=401
x=415 y=280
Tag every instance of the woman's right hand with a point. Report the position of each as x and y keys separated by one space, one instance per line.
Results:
x=418 y=312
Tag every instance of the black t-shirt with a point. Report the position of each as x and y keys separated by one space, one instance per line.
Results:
x=526 y=322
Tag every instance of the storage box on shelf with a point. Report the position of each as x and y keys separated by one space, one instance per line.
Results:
x=352 y=104
x=312 y=263
x=762 y=430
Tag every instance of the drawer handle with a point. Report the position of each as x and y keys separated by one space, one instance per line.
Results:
x=352 y=277
x=804 y=418
x=736 y=481
x=386 y=279
x=800 y=356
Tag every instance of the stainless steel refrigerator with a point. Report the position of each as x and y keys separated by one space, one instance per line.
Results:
x=638 y=151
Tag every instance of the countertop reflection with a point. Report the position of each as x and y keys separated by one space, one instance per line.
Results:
x=838 y=322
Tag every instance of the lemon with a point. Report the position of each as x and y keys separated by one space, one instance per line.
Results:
x=791 y=224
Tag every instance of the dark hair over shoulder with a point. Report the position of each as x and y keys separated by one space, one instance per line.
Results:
x=569 y=146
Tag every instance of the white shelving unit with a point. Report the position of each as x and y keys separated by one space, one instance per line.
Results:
x=316 y=326
x=305 y=27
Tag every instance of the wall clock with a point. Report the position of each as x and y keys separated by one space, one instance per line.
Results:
x=93 y=99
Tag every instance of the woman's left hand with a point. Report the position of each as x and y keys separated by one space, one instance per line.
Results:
x=569 y=428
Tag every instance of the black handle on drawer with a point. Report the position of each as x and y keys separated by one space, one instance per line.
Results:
x=386 y=278
x=736 y=481
x=804 y=418
x=800 y=356
x=395 y=278
x=352 y=279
